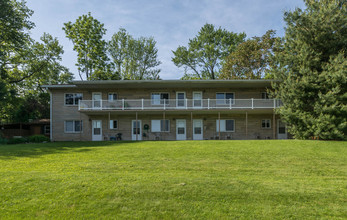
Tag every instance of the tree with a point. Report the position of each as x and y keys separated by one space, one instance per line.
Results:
x=40 y=65
x=206 y=51
x=14 y=27
x=86 y=34
x=251 y=59
x=134 y=59
x=24 y=63
x=311 y=70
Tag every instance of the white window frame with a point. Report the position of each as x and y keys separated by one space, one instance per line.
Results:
x=112 y=124
x=160 y=127
x=201 y=100
x=269 y=120
x=153 y=101
x=74 y=97
x=73 y=126
x=225 y=101
x=223 y=122
x=184 y=100
x=108 y=96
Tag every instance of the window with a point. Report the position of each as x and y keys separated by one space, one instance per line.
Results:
x=113 y=124
x=160 y=98
x=264 y=95
x=223 y=98
x=46 y=129
x=72 y=98
x=266 y=123
x=161 y=125
x=225 y=125
x=73 y=126
x=112 y=96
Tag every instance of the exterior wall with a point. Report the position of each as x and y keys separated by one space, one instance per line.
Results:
x=254 y=130
x=61 y=113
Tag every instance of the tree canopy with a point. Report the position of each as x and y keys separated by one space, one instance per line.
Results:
x=25 y=64
x=202 y=58
x=250 y=59
x=134 y=59
x=311 y=70
x=87 y=37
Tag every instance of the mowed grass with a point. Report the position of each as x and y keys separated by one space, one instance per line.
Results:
x=268 y=179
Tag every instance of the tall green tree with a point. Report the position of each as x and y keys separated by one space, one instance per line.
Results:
x=134 y=59
x=86 y=35
x=39 y=65
x=24 y=63
x=202 y=58
x=311 y=69
x=251 y=59
x=14 y=38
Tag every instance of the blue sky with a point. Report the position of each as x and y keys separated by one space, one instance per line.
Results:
x=171 y=22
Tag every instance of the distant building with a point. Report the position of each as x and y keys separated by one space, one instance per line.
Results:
x=35 y=127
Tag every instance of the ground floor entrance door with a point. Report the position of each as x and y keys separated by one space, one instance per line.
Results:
x=136 y=130
x=281 y=130
x=96 y=130
x=181 y=133
x=197 y=129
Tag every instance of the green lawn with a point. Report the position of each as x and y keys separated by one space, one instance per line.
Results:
x=174 y=180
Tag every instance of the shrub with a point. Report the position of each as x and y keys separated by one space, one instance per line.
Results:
x=17 y=140
x=38 y=138
x=3 y=140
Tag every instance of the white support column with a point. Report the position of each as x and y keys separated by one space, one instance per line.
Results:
x=274 y=103
x=142 y=104
x=136 y=124
x=274 y=125
x=230 y=103
x=191 y=123
x=219 y=125
x=208 y=103
x=123 y=103
x=252 y=103
x=186 y=103
x=246 y=125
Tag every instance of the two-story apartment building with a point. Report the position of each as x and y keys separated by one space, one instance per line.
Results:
x=164 y=110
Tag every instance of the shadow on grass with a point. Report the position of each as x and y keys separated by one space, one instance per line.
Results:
x=8 y=152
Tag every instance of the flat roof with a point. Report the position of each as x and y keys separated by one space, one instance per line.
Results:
x=259 y=83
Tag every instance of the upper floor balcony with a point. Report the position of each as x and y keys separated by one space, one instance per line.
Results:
x=177 y=104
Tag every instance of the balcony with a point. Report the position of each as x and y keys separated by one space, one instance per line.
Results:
x=177 y=104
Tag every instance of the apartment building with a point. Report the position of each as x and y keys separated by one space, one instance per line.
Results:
x=164 y=110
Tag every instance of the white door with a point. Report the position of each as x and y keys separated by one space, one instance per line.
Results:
x=181 y=129
x=281 y=130
x=97 y=97
x=136 y=130
x=197 y=129
x=96 y=130
x=197 y=99
x=180 y=99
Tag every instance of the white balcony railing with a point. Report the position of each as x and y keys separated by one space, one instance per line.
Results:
x=175 y=104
